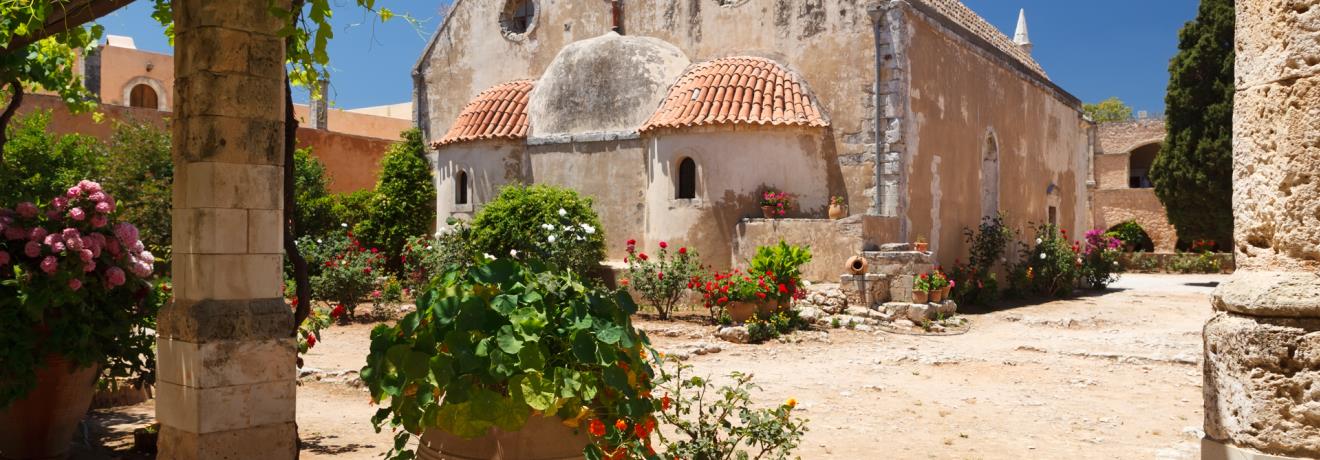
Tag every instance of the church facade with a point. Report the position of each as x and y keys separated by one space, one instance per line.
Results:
x=674 y=116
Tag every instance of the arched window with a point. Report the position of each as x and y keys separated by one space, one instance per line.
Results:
x=687 y=180
x=143 y=96
x=990 y=177
x=1139 y=162
x=517 y=17
x=461 y=188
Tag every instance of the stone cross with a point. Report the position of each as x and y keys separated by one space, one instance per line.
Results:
x=226 y=379
x=1262 y=347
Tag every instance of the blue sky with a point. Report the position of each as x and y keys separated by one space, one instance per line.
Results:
x=1094 y=49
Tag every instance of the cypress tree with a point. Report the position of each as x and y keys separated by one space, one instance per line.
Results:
x=1193 y=174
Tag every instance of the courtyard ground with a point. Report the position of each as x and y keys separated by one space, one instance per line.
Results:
x=1112 y=375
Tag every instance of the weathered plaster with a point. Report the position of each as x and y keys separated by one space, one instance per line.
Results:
x=489 y=164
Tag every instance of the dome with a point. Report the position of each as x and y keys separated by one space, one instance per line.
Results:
x=738 y=90
x=610 y=83
x=499 y=112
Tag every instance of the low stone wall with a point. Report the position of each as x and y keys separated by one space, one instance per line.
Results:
x=1162 y=262
x=832 y=242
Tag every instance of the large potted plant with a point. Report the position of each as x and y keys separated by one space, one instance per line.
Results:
x=514 y=360
x=77 y=305
x=782 y=266
x=772 y=282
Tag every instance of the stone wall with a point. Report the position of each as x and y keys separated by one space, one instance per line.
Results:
x=1126 y=136
x=489 y=165
x=832 y=242
x=1115 y=206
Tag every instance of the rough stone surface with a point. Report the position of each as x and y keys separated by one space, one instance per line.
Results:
x=900 y=288
x=1275 y=294
x=919 y=312
x=735 y=334
x=865 y=290
x=1262 y=383
x=828 y=299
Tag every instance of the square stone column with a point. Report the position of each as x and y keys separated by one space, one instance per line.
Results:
x=1262 y=348
x=226 y=379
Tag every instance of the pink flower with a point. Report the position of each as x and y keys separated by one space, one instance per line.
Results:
x=32 y=249
x=53 y=214
x=112 y=246
x=15 y=233
x=73 y=192
x=99 y=220
x=37 y=234
x=27 y=210
x=115 y=276
x=138 y=247
x=89 y=266
x=89 y=186
x=126 y=232
x=4 y=258
x=49 y=264
x=75 y=284
x=103 y=207
x=77 y=214
x=59 y=203
x=85 y=255
x=57 y=247
x=141 y=269
x=94 y=242
x=97 y=197
x=147 y=257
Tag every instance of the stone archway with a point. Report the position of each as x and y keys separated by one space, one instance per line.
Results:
x=990 y=176
x=162 y=97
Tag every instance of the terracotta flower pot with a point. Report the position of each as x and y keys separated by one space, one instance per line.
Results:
x=41 y=425
x=541 y=438
x=944 y=292
x=937 y=295
x=740 y=312
x=920 y=296
x=857 y=265
x=769 y=307
x=768 y=212
x=837 y=211
x=921 y=247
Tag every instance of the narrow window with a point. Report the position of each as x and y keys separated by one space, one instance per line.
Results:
x=1054 y=216
x=143 y=96
x=461 y=188
x=687 y=179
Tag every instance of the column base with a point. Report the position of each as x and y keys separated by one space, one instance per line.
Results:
x=276 y=442
x=1215 y=450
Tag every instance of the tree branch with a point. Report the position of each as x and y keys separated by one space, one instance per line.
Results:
x=302 y=287
x=67 y=16
x=15 y=100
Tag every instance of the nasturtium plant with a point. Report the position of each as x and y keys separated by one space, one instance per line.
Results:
x=495 y=343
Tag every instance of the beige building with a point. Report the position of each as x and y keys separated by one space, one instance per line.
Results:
x=674 y=115
x=1124 y=153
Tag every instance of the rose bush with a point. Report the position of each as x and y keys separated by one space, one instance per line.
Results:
x=662 y=280
x=348 y=270
x=74 y=282
x=1100 y=265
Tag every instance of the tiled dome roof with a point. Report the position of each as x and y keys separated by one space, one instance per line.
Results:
x=498 y=112
x=738 y=90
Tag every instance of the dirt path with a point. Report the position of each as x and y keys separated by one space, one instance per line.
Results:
x=1106 y=376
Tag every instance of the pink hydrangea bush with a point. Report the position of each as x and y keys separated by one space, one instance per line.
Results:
x=72 y=282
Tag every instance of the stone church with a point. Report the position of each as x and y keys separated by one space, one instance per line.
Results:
x=673 y=115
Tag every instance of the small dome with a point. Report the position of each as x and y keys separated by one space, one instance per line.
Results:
x=610 y=83
x=498 y=112
x=738 y=90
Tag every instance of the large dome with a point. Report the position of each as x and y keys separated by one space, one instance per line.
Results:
x=610 y=83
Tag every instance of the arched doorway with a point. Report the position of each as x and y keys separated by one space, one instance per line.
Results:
x=143 y=96
x=990 y=177
x=1139 y=162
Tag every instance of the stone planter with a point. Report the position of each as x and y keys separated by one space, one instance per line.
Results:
x=542 y=438
x=920 y=297
x=768 y=308
x=41 y=425
x=837 y=211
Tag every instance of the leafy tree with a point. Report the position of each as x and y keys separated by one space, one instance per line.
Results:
x=315 y=215
x=352 y=208
x=139 y=173
x=404 y=202
x=39 y=165
x=1108 y=110
x=1193 y=174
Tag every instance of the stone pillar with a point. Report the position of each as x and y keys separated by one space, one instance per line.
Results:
x=1262 y=348
x=227 y=379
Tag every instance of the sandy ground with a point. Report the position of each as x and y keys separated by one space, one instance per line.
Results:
x=1112 y=375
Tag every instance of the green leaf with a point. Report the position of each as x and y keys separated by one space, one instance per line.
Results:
x=508 y=341
x=417 y=365
x=537 y=391
x=610 y=335
x=584 y=347
x=462 y=420
x=531 y=358
x=617 y=379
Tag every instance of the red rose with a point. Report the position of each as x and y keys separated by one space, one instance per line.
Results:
x=660 y=275
x=311 y=340
x=682 y=250
x=337 y=312
x=760 y=295
x=632 y=242
x=642 y=256
x=722 y=300
x=664 y=403
x=782 y=288
x=663 y=245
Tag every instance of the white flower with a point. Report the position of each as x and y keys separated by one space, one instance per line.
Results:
x=1115 y=263
x=513 y=252
x=1042 y=256
x=488 y=256
x=562 y=212
x=318 y=241
x=343 y=224
x=1038 y=241
x=428 y=247
x=589 y=229
x=548 y=226
x=550 y=238
x=568 y=228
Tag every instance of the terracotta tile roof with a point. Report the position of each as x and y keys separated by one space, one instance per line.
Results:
x=498 y=112
x=959 y=14
x=738 y=90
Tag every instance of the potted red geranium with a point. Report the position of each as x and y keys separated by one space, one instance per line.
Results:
x=775 y=204
x=77 y=305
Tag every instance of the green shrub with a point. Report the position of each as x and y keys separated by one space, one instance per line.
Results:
x=975 y=282
x=1186 y=262
x=782 y=263
x=762 y=329
x=39 y=165
x=662 y=280
x=348 y=270
x=424 y=257
x=404 y=202
x=350 y=209
x=1053 y=265
x=724 y=423
x=315 y=215
x=1134 y=237
x=555 y=225
x=139 y=172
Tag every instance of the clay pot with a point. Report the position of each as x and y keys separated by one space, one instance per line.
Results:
x=920 y=247
x=944 y=292
x=920 y=297
x=837 y=211
x=937 y=295
x=541 y=438
x=768 y=308
x=41 y=425
x=740 y=312
x=768 y=212
x=857 y=265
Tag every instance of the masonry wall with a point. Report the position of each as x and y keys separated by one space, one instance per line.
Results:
x=122 y=68
x=612 y=173
x=830 y=42
x=1114 y=202
x=959 y=95
x=490 y=165
x=1115 y=206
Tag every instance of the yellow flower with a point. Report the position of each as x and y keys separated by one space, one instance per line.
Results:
x=791 y=403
